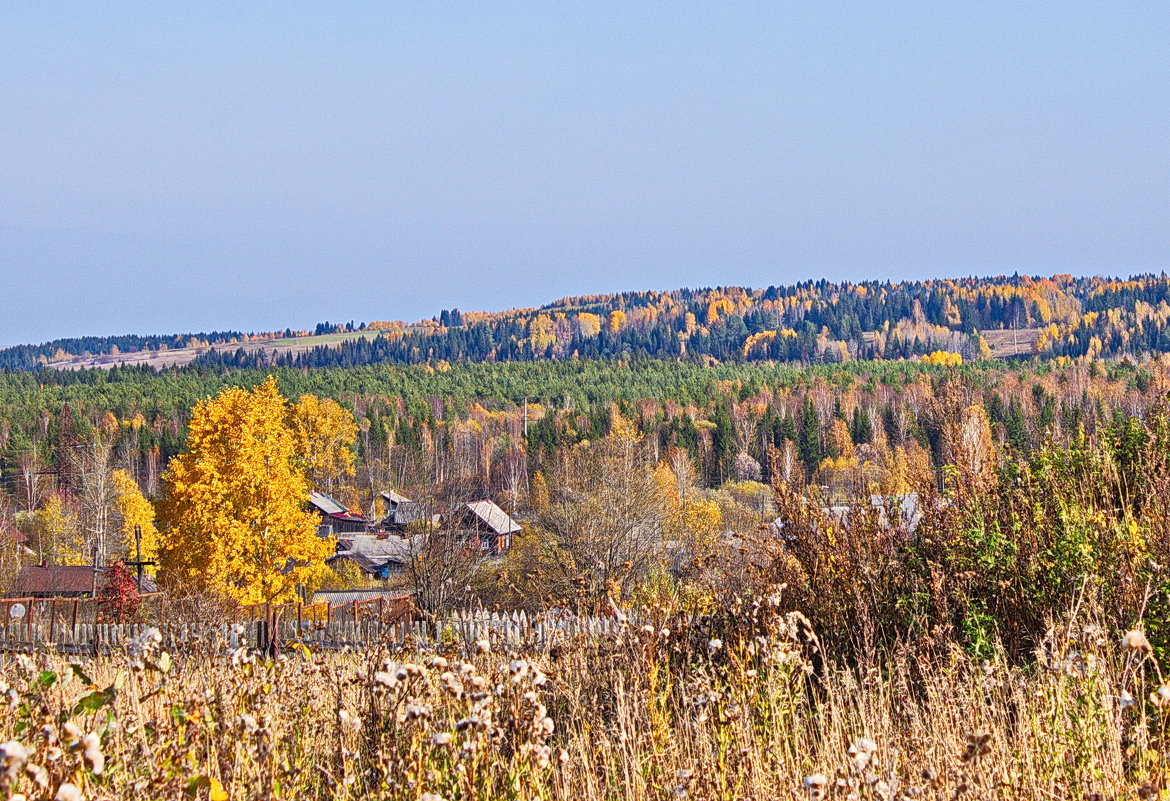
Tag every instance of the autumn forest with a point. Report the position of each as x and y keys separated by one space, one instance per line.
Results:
x=775 y=511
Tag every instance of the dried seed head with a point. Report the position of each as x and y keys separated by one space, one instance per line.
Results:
x=92 y=753
x=12 y=755
x=69 y=792
x=861 y=754
x=1135 y=641
x=349 y=720
x=815 y=785
x=38 y=776
x=72 y=733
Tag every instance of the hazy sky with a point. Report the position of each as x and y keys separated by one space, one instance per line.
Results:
x=172 y=167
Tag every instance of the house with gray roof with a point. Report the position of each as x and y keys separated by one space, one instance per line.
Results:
x=376 y=555
x=489 y=522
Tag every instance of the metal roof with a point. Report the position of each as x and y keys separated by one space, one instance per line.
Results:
x=339 y=597
x=493 y=517
x=326 y=504
x=406 y=513
x=374 y=553
x=393 y=497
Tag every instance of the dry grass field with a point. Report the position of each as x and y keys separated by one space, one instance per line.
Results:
x=178 y=357
x=1006 y=343
x=749 y=709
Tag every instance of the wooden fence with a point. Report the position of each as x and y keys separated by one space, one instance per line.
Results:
x=462 y=631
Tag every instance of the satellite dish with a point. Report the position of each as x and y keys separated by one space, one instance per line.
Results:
x=16 y=611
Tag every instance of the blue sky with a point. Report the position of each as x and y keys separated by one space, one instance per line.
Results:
x=173 y=167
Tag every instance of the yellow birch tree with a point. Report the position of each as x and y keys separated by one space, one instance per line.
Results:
x=233 y=514
x=323 y=436
x=132 y=509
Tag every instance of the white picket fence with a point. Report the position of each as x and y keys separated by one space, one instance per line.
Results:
x=517 y=631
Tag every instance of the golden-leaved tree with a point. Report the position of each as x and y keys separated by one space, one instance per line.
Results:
x=55 y=533
x=233 y=513
x=133 y=511
x=323 y=436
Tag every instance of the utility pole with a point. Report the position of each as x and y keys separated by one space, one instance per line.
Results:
x=140 y=563
x=93 y=574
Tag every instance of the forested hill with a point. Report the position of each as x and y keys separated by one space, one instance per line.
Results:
x=810 y=322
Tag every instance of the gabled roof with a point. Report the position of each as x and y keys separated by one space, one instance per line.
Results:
x=50 y=580
x=372 y=552
x=390 y=496
x=326 y=504
x=406 y=513
x=493 y=517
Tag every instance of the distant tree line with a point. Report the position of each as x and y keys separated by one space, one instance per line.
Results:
x=812 y=322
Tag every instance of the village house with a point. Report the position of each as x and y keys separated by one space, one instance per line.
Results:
x=894 y=512
x=483 y=519
x=383 y=552
x=488 y=522
x=66 y=581
x=402 y=511
x=377 y=556
x=336 y=519
x=11 y=535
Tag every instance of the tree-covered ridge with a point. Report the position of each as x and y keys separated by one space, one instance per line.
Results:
x=809 y=322
x=28 y=357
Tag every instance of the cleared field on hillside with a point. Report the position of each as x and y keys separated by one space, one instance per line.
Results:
x=159 y=359
x=1007 y=343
